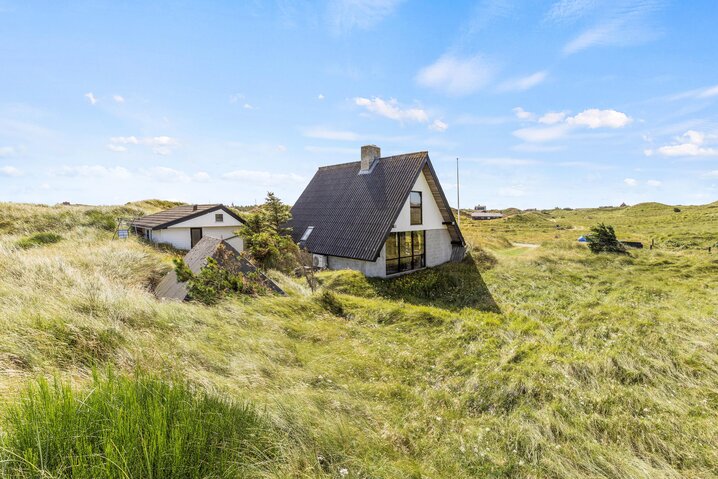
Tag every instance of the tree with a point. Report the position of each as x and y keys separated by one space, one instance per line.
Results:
x=267 y=237
x=603 y=239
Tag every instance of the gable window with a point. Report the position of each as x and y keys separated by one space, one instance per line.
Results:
x=219 y=218
x=307 y=232
x=405 y=251
x=415 y=205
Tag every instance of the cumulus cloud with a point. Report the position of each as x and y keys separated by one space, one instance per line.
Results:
x=91 y=98
x=691 y=143
x=654 y=183
x=118 y=98
x=630 y=181
x=439 y=125
x=116 y=148
x=456 y=75
x=522 y=114
x=263 y=178
x=595 y=118
x=247 y=106
x=559 y=124
x=524 y=83
x=9 y=171
x=320 y=97
x=391 y=109
x=552 y=117
x=346 y=15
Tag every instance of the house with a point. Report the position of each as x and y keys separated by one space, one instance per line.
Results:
x=183 y=226
x=381 y=216
x=484 y=215
x=227 y=257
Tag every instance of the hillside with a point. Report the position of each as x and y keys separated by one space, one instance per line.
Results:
x=520 y=362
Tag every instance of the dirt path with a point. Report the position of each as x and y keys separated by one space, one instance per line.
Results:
x=526 y=245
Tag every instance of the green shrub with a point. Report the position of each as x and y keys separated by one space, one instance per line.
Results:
x=133 y=427
x=38 y=239
x=214 y=282
x=603 y=239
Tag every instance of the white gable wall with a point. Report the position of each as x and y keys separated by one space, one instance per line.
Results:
x=431 y=216
x=179 y=236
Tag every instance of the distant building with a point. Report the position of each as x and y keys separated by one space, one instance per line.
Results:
x=480 y=208
x=480 y=215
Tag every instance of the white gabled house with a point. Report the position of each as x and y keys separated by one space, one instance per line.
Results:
x=184 y=226
x=381 y=216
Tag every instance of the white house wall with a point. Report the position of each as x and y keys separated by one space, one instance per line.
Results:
x=431 y=216
x=207 y=220
x=180 y=237
x=368 y=268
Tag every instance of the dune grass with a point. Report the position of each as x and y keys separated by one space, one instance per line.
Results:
x=591 y=365
x=120 y=427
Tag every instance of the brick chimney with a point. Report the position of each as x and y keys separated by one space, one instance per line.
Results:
x=369 y=153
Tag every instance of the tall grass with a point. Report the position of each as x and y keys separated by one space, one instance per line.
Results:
x=142 y=426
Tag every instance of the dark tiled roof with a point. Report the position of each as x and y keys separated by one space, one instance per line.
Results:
x=352 y=213
x=178 y=214
x=227 y=257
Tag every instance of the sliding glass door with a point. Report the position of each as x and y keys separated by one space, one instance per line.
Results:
x=405 y=251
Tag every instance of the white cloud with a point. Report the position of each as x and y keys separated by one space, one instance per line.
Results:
x=391 y=109
x=438 y=125
x=263 y=178
x=320 y=97
x=711 y=174
x=234 y=98
x=630 y=181
x=346 y=15
x=654 y=183
x=92 y=171
x=9 y=171
x=281 y=148
x=327 y=134
x=700 y=93
x=552 y=117
x=160 y=145
x=524 y=83
x=91 y=98
x=522 y=114
x=595 y=118
x=125 y=140
x=247 y=106
x=569 y=10
x=456 y=76
x=202 y=176
x=118 y=98
x=691 y=143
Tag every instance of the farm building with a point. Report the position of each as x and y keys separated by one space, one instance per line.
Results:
x=184 y=226
x=381 y=216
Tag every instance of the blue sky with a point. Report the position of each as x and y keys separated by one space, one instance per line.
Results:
x=556 y=103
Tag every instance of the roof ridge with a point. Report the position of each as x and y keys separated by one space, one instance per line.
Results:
x=338 y=165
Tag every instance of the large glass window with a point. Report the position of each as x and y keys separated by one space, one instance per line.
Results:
x=405 y=251
x=415 y=206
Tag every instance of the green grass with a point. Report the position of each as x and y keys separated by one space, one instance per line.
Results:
x=38 y=239
x=122 y=427
x=591 y=366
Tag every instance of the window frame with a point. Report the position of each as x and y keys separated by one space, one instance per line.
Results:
x=219 y=217
x=420 y=207
x=415 y=260
x=306 y=234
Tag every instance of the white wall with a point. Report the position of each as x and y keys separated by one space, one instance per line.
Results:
x=368 y=268
x=180 y=237
x=431 y=216
x=208 y=220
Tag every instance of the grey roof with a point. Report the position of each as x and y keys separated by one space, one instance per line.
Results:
x=196 y=259
x=178 y=214
x=352 y=214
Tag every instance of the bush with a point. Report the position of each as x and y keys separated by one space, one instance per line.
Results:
x=133 y=427
x=676 y=210
x=603 y=239
x=214 y=282
x=38 y=239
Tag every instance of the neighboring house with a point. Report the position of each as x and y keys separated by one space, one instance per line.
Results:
x=479 y=215
x=183 y=226
x=380 y=216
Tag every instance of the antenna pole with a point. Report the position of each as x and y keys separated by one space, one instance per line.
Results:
x=458 y=200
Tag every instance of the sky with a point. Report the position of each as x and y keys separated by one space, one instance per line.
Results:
x=570 y=103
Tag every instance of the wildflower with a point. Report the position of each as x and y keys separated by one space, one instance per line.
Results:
x=343 y=472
